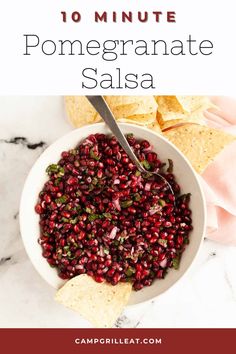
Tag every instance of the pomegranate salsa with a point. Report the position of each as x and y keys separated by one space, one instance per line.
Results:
x=99 y=215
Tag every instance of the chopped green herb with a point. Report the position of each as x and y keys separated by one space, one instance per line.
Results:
x=147 y=175
x=162 y=242
x=107 y=216
x=137 y=197
x=146 y=164
x=61 y=172
x=53 y=168
x=91 y=187
x=93 y=155
x=170 y=168
x=66 y=248
x=106 y=251
x=73 y=151
x=176 y=262
x=74 y=221
x=78 y=208
x=65 y=219
x=88 y=210
x=126 y=203
x=57 y=181
x=130 y=135
x=137 y=173
x=186 y=198
x=129 y=272
x=78 y=193
x=61 y=200
x=95 y=181
x=69 y=254
x=93 y=217
x=161 y=202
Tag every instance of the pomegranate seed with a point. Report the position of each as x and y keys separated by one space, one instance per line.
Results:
x=116 y=278
x=38 y=209
x=82 y=235
x=99 y=279
x=99 y=173
x=76 y=228
x=111 y=272
x=47 y=198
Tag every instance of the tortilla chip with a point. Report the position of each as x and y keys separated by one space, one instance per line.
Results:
x=193 y=103
x=139 y=119
x=125 y=106
x=80 y=112
x=177 y=122
x=182 y=104
x=140 y=109
x=169 y=105
x=200 y=144
x=155 y=127
x=181 y=108
x=99 y=303
x=169 y=120
x=174 y=123
x=114 y=101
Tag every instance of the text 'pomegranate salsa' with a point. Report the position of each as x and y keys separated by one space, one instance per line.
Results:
x=99 y=215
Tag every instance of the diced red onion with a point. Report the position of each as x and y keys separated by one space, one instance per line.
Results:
x=116 y=204
x=147 y=186
x=113 y=232
x=79 y=266
x=88 y=142
x=155 y=210
x=163 y=263
x=101 y=252
x=147 y=149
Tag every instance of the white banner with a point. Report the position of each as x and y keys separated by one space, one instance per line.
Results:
x=117 y=47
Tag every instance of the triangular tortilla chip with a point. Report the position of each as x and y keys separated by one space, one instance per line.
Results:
x=99 y=303
x=169 y=105
x=193 y=103
x=125 y=106
x=199 y=144
x=80 y=112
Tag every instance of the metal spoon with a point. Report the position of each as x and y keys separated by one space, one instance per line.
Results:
x=102 y=108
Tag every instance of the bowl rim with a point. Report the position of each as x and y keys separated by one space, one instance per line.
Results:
x=102 y=124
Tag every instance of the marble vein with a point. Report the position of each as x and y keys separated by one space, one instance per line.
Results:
x=24 y=141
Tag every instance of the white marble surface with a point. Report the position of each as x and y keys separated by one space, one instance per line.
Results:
x=206 y=297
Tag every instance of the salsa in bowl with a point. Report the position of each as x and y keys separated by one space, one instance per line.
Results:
x=96 y=214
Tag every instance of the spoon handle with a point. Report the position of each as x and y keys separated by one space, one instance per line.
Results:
x=102 y=108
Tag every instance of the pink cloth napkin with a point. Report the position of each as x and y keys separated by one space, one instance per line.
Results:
x=219 y=178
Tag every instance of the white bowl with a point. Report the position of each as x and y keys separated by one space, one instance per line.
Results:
x=185 y=175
